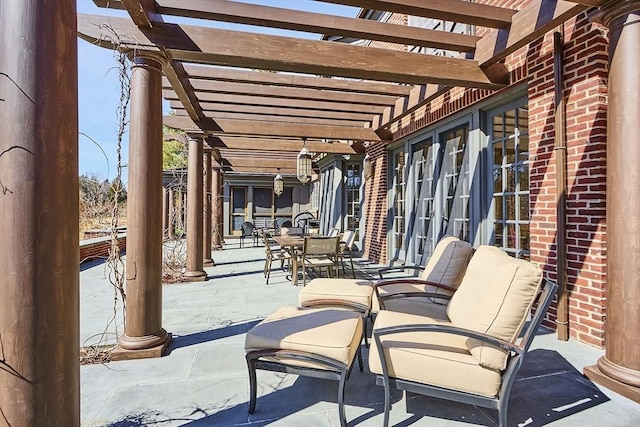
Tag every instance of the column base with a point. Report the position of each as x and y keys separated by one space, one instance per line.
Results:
x=195 y=276
x=208 y=263
x=217 y=247
x=597 y=376
x=120 y=353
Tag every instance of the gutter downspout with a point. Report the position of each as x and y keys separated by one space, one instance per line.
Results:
x=560 y=149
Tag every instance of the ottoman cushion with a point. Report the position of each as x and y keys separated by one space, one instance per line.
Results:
x=331 y=333
x=334 y=291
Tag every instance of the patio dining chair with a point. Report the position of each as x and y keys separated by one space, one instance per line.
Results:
x=346 y=247
x=246 y=230
x=274 y=254
x=472 y=355
x=319 y=252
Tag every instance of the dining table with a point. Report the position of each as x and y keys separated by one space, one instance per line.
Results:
x=292 y=242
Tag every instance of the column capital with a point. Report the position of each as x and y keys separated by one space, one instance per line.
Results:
x=614 y=9
x=145 y=58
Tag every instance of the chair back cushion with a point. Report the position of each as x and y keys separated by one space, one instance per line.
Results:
x=494 y=298
x=448 y=262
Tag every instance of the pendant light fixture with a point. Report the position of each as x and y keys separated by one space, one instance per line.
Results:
x=278 y=183
x=304 y=164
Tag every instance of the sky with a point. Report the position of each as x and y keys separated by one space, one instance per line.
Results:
x=99 y=89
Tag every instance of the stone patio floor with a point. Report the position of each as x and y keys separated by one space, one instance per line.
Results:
x=203 y=381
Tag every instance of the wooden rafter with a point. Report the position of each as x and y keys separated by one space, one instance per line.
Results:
x=282 y=119
x=248 y=127
x=448 y=10
x=297 y=20
x=202 y=86
x=261 y=144
x=240 y=49
x=280 y=102
x=528 y=24
x=142 y=12
x=278 y=111
x=294 y=80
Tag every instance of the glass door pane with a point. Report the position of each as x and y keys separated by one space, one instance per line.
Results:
x=398 y=192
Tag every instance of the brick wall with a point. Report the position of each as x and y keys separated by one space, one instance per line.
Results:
x=375 y=245
x=99 y=247
x=585 y=73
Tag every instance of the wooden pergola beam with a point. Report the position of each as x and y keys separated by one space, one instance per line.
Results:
x=448 y=10
x=240 y=49
x=248 y=127
x=294 y=80
x=142 y=12
x=262 y=144
x=203 y=86
x=215 y=115
x=276 y=111
x=279 y=102
x=297 y=20
x=530 y=23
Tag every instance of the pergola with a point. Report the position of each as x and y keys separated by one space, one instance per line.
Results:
x=239 y=95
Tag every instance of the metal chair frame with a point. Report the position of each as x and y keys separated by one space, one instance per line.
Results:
x=335 y=370
x=517 y=351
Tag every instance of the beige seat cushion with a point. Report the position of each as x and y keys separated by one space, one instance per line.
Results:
x=431 y=358
x=348 y=290
x=335 y=334
x=494 y=298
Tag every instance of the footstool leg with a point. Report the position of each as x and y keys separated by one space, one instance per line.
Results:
x=253 y=386
x=341 y=412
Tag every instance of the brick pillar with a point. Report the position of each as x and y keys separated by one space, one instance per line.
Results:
x=39 y=291
x=619 y=369
x=144 y=335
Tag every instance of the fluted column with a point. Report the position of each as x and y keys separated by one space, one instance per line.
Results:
x=216 y=204
x=619 y=369
x=39 y=302
x=195 y=271
x=144 y=335
x=206 y=232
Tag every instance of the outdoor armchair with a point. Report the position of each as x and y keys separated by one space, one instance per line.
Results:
x=474 y=354
x=274 y=254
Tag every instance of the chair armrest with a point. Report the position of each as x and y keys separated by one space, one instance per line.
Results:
x=400 y=295
x=382 y=283
x=382 y=271
x=497 y=342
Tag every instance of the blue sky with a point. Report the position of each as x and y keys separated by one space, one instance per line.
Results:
x=99 y=88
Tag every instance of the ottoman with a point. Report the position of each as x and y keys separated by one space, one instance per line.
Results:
x=320 y=343
x=352 y=294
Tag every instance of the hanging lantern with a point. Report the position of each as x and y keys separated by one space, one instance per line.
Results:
x=367 y=167
x=304 y=164
x=278 y=184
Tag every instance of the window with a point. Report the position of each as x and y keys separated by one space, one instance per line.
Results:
x=266 y=204
x=423 y=164
x=398 y=189
x=353 y=182
x=238 y=207
x=510 y=180
x=456 y=184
